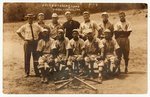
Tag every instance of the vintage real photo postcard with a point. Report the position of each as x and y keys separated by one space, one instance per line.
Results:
x=75 y=48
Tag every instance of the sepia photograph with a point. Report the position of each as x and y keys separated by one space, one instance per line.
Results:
x=75 y=48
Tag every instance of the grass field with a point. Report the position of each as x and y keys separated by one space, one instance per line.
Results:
x=134 y=82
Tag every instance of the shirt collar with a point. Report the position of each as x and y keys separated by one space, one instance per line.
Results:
x=39 y=22
x=87 y=21
x=107 y=22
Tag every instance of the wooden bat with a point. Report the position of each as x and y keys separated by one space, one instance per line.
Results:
x=86 y=83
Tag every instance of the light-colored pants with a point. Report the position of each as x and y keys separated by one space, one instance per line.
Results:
x=111 y=62
x=46 y=61
x=92 y=64
x=75 y=62
x=60 y=62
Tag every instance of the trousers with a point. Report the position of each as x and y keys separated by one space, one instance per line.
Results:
x=124 y=50
x=30 y=49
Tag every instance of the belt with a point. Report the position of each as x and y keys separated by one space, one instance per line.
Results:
x=122 y=36
x=30 y=40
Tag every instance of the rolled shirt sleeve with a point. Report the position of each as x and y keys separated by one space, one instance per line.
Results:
x=21 y=29
x=27 y=33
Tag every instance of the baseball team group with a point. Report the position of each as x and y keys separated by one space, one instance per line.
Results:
x=92 y=49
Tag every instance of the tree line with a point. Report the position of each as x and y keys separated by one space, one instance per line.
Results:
x=15 y=12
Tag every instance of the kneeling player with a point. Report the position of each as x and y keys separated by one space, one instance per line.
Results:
x=76 y=48
x=60 y=53
x=94 y=50
x=44 y=50
x=110 y=49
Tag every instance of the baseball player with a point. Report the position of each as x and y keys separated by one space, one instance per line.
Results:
x=105 y=24
x=41 y=23
x=88 y=24
x=69 y=25
x=76 y=56
x=46 y=60
x=122 y=31
x=54 y=26
x=94 y=50
x=30 y=34
x=61 y=55
x=111 y=47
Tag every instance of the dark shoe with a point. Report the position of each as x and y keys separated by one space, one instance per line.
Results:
x=107 y=76
x=27 y=75
x=119 y=71
x=126 y=70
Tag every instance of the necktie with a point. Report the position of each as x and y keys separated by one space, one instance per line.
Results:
x=32 y=31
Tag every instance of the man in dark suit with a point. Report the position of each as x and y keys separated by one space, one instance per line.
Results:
x=70 y=24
